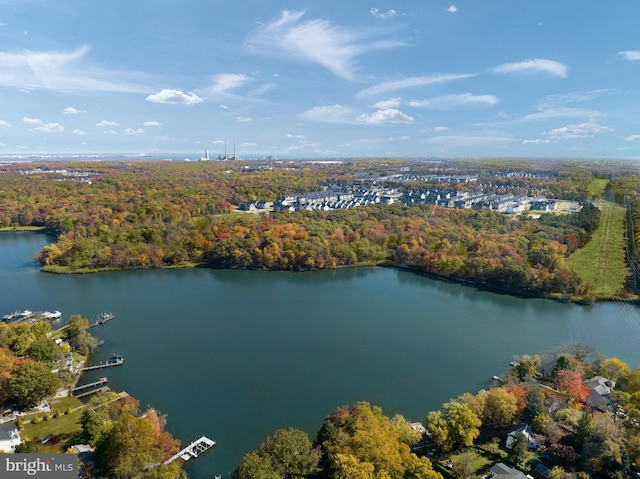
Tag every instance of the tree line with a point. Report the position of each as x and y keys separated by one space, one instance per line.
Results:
x=160 y=214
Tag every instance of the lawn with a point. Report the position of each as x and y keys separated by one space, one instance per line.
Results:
x=597 y=187
x=601 y=263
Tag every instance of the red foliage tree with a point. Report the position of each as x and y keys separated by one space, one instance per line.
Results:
x=569 y=383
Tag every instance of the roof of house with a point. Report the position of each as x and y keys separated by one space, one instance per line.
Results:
x=8 y=431
x=502 y=471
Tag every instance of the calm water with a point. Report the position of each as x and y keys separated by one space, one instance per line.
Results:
x=235 y=355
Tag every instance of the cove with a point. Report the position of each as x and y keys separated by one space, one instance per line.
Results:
x=235 y=354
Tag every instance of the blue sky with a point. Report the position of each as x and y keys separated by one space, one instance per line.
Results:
x=468 y=78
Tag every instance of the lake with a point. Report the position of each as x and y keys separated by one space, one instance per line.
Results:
x=235 y=354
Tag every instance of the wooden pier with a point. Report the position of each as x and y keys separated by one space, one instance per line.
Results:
x=102 y=382
x=194 y=449
x=116 y=360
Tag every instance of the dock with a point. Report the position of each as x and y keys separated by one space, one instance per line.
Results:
x=102 y=319
x=194 y=449
x=102 y=382
x=116 y=360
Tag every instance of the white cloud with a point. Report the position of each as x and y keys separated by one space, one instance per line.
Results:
x=50 y=128
x=562 y=112
x=632 y=138
x=297 y=137
x=630 y=55
x=224 y=82
x=470 y=140
x=378 y=14
x=318 y=41
x=536 y=65
x=412 y=82
x=451 y=101
x=152 y=123
x=174 y=97
x=452 y=9
x=31 y=121
x=61 y=71
x=104 y=123
x=110 y=132
x=70 y=111
x=244 y=119
x=4 y=123
x=391 y=103
x=224 y=107
x=388 y=115
x=440 y=128
x=537 y=141
x=247 y=144
x=131 y=131
x=78 y=131
x=582 y=130
x=331 y=114
x=399 y=138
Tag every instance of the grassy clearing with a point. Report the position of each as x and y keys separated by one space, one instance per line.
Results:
x=597 y=187
x=601 y=263
x=56 y=426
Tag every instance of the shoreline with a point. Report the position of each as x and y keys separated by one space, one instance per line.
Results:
x=522 y=294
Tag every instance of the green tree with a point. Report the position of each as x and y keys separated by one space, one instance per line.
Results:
x=292 y=454
x=77 y=335
x=519 y=449
x=91 y=424
x=535 y=403
x=31 y=382
x=43 y=350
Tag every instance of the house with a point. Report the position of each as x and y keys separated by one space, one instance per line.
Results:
x=9 y=438
x=599 y=390
x=502 y=471
x=532 y=440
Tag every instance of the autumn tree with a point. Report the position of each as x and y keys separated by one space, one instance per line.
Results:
x=127 y=449
x=454 y=427
x=569 y=383
x=362 y=442
x=500 y=408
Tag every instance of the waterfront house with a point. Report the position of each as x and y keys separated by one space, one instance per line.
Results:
x=502 y=471
x=9 y=438
x=532 y=439
x=599 y=390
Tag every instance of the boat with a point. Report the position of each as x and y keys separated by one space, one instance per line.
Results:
x=104 y=317
x=51 y=315
x=9 y=317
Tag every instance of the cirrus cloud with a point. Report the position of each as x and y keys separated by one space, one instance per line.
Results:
x=318 y=41
x=412 y=82
x=536 y=65
x=169 y=96
x=452 y=101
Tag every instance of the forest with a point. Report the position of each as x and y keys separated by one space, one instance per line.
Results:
x=167 y=214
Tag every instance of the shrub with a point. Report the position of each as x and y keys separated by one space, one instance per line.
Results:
x=36 y=420
x=47 y=417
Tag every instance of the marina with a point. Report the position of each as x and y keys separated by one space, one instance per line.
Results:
x=28 y=315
